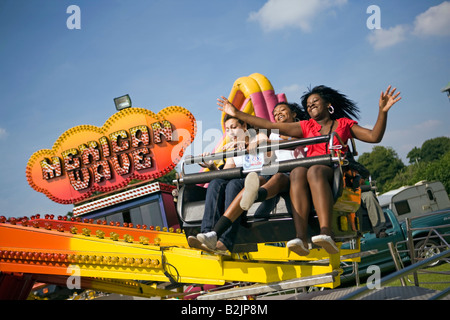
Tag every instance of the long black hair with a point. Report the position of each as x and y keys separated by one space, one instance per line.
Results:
x=295 y=108
x=228 y=117
x=343 y=107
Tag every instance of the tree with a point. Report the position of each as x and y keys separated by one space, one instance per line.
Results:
x=415 y=155
x=168 y=178
x=432 y=149
x=431 y=162
x=437 y=170
x=407 y=176
x=383 y=164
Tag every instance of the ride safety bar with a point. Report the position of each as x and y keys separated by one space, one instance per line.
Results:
x=236 y=173
x=273 y=145
x=271 y=168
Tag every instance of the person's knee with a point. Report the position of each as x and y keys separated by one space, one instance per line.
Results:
x=318 y=173
x=314 y=171
x=280 y=178
x=235 y=185
x=298 y=173
x=216 y=183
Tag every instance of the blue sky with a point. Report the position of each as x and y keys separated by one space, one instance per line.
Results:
x=189 y=53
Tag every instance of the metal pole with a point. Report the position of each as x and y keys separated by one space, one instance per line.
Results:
x=412 y=253
x=396 y=261
x=398 y=274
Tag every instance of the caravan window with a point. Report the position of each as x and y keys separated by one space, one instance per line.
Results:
x=402 y=207
x=430 y=195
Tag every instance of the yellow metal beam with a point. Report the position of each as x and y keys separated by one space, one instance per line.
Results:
x=126 y=258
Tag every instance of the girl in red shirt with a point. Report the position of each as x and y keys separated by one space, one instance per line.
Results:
x=329 y=111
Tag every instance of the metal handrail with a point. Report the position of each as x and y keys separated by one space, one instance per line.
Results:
x=274 y=145
x=397 y=275
x=396 y=253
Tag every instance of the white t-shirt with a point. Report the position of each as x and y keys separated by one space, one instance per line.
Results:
x=238 y=161
x=283 y=155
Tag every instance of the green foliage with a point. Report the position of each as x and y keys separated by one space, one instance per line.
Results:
x=431 y=162
x=383 y=164
x=432 y=149
x=168 y=178
x=415 y=155
x=439 y=170
x=407 y=176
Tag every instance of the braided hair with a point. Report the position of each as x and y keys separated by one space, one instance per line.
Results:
x=343 y=107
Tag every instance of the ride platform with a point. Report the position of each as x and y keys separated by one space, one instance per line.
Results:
x=127 y=260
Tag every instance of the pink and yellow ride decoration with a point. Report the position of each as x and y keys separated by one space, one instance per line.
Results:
x=254 y=95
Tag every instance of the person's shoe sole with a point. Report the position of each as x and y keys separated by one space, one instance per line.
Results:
x=207 y=241
x=325 y=242
x=298 y=248
x=195 y=243
x=250 y=194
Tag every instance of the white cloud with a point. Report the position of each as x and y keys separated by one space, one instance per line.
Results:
x=434 y=21
x=383 y=38
x=430 y=124
x=292 y=92
x=279 y=14
x=3 y=133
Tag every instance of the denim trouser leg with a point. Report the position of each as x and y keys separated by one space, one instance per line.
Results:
x=232 y=189
x=214 y=204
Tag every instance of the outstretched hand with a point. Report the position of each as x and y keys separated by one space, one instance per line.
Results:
x=226 y=106
x=388 y=99
x=210 y=165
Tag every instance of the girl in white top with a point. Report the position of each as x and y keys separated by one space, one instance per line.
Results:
x=221 y=192
x=283 y=112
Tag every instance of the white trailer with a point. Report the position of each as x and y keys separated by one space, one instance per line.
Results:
x=412 y=201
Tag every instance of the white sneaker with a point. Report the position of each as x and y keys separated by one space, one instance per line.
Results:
x=250 y=194
x=296 y=245
x=325 y=242
x=209 y=239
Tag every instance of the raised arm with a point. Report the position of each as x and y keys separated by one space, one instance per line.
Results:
x=375 y=135
x=292 y=129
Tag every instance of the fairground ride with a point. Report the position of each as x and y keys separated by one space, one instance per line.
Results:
x=131 y=239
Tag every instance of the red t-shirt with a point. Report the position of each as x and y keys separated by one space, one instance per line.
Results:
x=311 y=128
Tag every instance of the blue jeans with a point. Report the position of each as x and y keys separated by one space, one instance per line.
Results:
x=219 y=195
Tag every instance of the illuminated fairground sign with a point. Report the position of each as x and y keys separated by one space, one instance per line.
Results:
x=134 y=143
